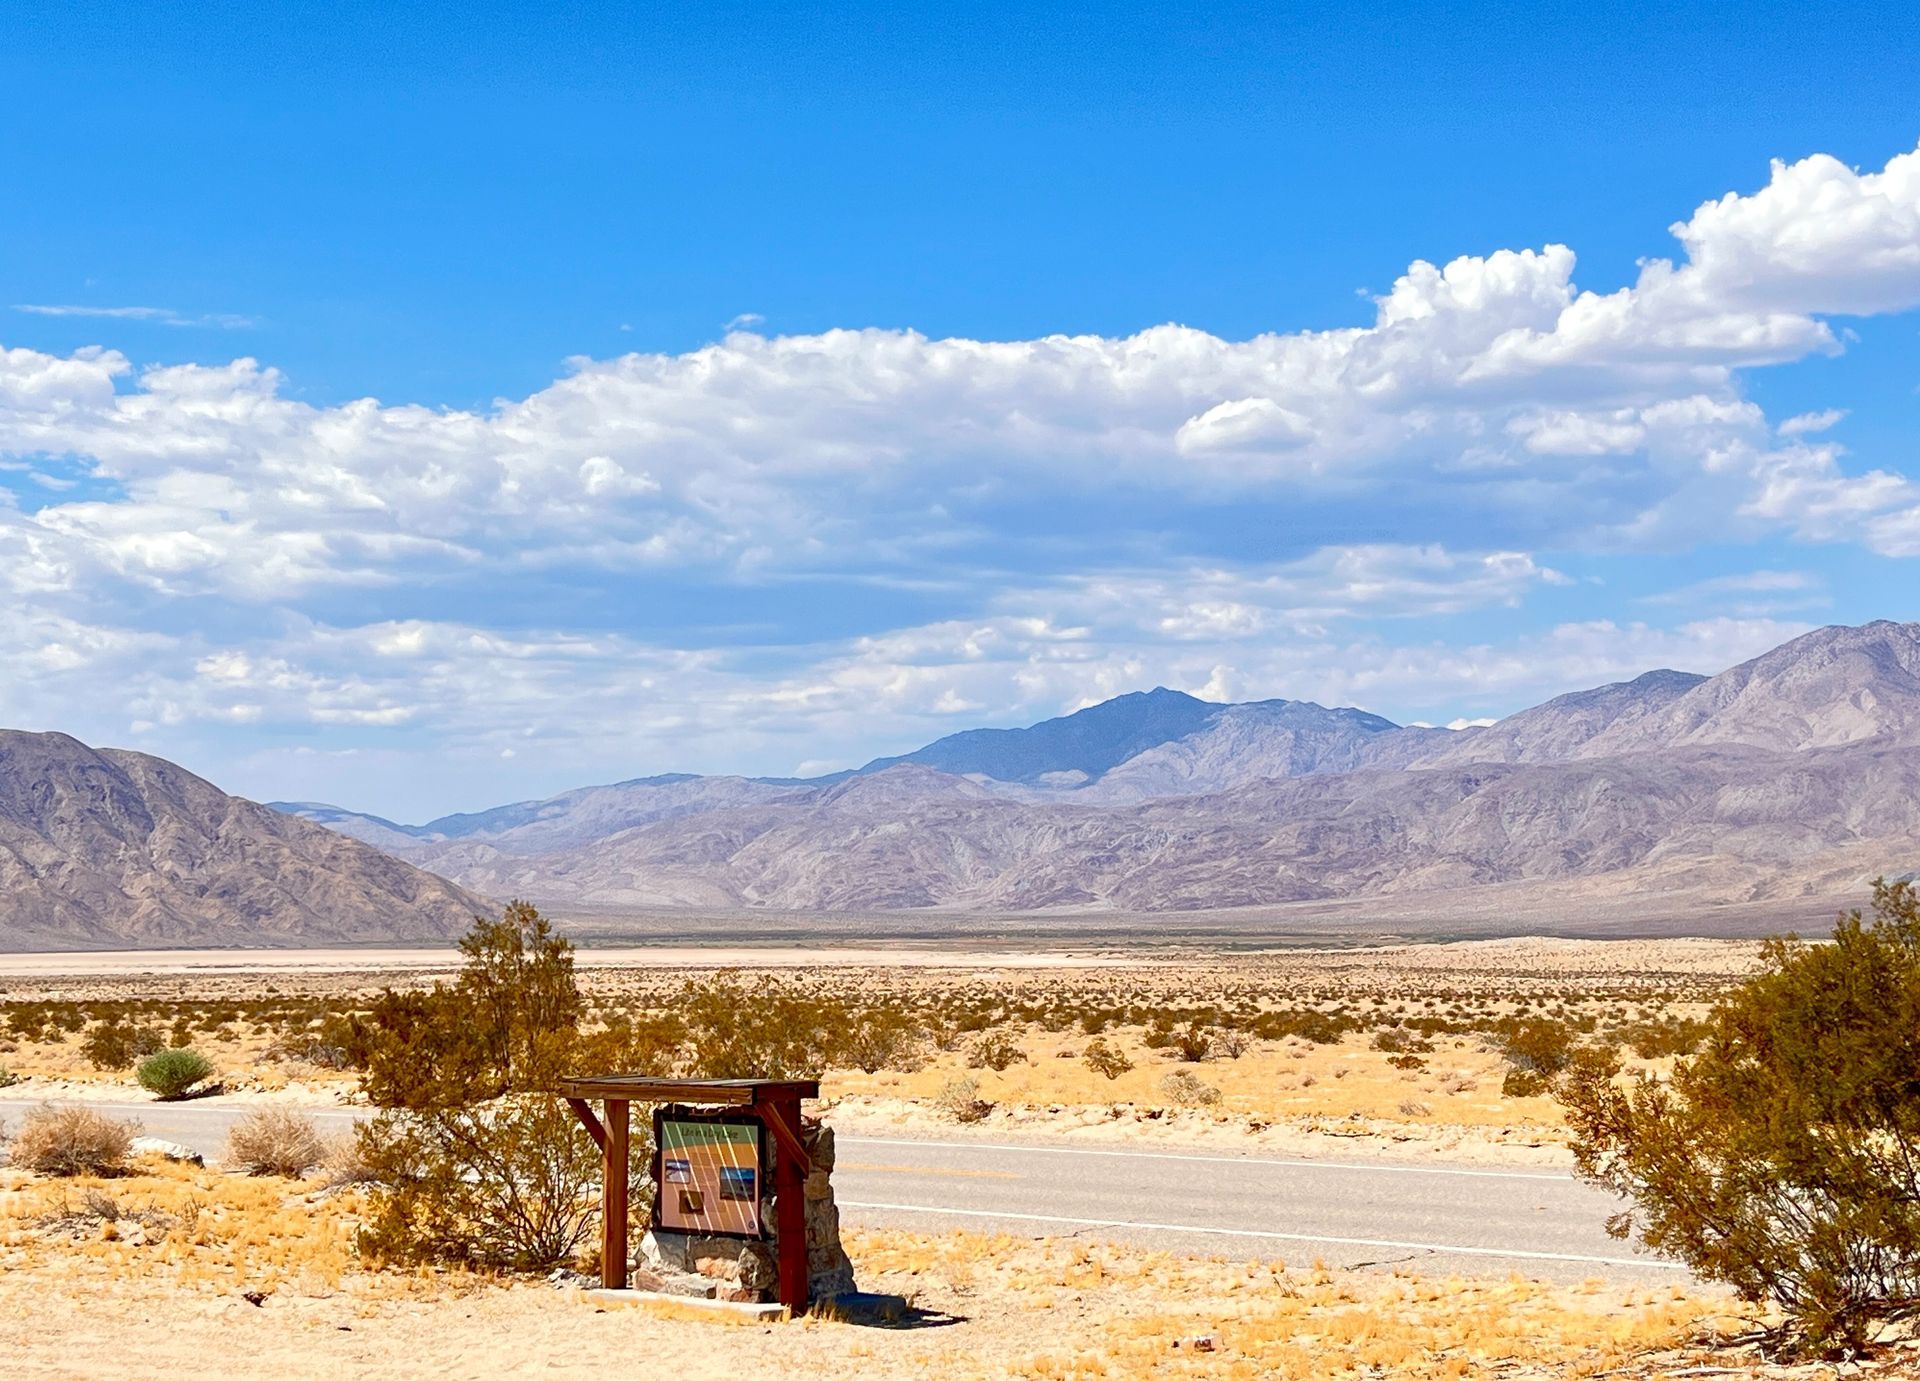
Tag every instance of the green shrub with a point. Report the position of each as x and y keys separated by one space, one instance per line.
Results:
x=509 y=1182
x=1779 y=1158
x=171 y=1074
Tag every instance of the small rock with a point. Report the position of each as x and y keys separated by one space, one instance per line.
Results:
x=172 y=1150
x=1204 y=1343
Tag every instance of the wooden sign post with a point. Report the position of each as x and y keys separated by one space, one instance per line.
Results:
x=773 y=1103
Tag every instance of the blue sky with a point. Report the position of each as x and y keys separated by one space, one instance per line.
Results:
x=768 y=388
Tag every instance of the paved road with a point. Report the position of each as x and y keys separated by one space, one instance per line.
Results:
x=1442 y=1219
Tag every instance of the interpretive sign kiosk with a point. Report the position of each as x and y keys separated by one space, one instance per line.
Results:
x=723 y=1148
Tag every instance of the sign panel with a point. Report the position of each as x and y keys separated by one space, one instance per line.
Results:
x=709 y=1177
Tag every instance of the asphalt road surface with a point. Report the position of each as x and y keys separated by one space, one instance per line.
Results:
x=1441 y=1219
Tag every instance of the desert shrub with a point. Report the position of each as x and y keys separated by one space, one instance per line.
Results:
x=510 y=1182
x=1187 y=1089
x=1538 y=1045
x=1233 y=1042
x=1537 y=1051
x=1779 y=1158
x=72 y=1141
x=1653 y=1040
x=1193 y=1043
x=1399 y=1040
x=1413 y=1107
x=275 y=1141
x=473 y=1159
x=305 y=1047
x=1322 y=1028
x=115 y=1045
x=959 y=1098
x=878 y=1038
x=171 y=1074
x=1104 y=1060
x=7 y=1077
x=761 y=1031
x=995 y=1050
x=1407 y=1062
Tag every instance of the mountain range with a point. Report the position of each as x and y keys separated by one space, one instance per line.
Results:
x=1789 y=779
x=1796 y=774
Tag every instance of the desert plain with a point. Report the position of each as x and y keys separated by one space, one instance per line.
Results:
x=1396 y=1056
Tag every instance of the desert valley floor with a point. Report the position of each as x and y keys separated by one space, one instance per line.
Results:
x=1401 y=1076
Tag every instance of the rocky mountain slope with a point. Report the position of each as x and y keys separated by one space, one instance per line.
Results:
x=1563 y=727
x=108 y=848
x=1792 y=774
x=1737 y=824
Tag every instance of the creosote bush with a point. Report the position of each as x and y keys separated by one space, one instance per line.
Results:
x=475 y=1160
x=1193 y=1044
x=71 y=1141
x=995 y=1050
x=1537 y=1051
x=171 y=1074
x=1779 y=1159
x=114 y=1045
x=275 y=1141
x=883 y=1037
x=1104 y=1060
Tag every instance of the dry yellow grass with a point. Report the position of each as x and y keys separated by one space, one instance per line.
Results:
x=1129 y=1312
x=269 y=1264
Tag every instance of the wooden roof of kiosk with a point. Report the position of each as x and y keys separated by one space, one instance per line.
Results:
x=775 y=1103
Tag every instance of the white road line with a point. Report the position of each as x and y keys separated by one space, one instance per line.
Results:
x=1211 y=1160
x=1440 y=1247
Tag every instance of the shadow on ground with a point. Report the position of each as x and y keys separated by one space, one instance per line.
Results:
x=864 y=1310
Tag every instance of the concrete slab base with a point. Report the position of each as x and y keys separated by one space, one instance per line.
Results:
x=727 y=1308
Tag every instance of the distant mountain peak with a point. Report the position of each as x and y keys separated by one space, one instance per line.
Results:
x=1091 y=741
